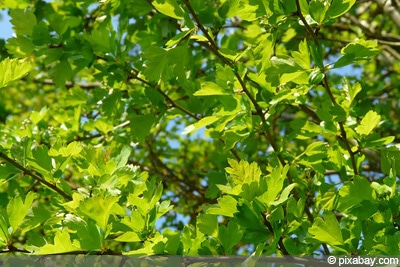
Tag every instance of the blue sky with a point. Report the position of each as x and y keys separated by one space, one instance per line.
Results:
x=5 y=25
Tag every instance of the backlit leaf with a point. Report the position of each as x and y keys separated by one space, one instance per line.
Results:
x=169 y=8
x=12 y=70
x=18 y=208
x=327 y=229
x=62 y=244
x=210 y=89
x=368 y=123
x=339 y=7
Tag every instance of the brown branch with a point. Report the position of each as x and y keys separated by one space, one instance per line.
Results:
x=390 y=9
x=308 y=28
x=92 y=85
x=280 y=241
x=35 y=176
x=343 y=134
x=166 y=97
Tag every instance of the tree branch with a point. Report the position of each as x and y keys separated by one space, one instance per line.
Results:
x=35 y=176
x=390 y=9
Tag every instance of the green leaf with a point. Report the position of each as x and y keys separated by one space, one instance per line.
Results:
x=354 y=192
x=12 y=70
x=302 y=57
x=327 y=230
x=4 y=235
x=122 y=158
x=62 y=244
x=316 y=55
x=42 y=158
x=23 y=21
x=285 y=64
x=13 y=4
x=20 y=46
x=90 y=236
x=250 y=10
x=208 y=224
x=157 y=64
x=99 y=209
x=248 y=218
x=169 y=8
x=17 y=209
x=102 y=40
x=141 y=126
x=41 y=34
x=284 y=195
x=368 y=123
x=230 y=235
x=128 y=237
x=199 y=38
x=73 y=148
x=264 y=51
x=315 y=149
x=61 y=73
x=243 y=172
x=174 y=241
x=210 y=89
x=275 y=184
x=339 y=7
x=178 y=38
x=358 y=50
x=351 y=90
x=226 y=207
x=36 y=117
x=318 y=9
x=200 y=124
x=390 y=159
x=375 y=140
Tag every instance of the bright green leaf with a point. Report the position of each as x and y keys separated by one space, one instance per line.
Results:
x=318 y=9
x=210 y=89
x=339 y=7
x=358 y=50
x=368 y=123
x=243 y=172
x=128 y=237
x=327 y=229
x=17 y=209
x=169 y=8
x=62 y=244
x=200 y=124
x=226 y=207
x=99 y=209
x=12 y=70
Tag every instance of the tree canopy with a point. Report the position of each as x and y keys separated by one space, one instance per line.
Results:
x=200 y=127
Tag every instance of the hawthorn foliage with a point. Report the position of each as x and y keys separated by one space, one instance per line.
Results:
x=192 y=127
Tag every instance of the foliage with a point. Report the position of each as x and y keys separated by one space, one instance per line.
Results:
x=200 y=127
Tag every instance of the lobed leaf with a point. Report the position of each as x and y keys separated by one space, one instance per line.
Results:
x=12 y=70
x=327 y=229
